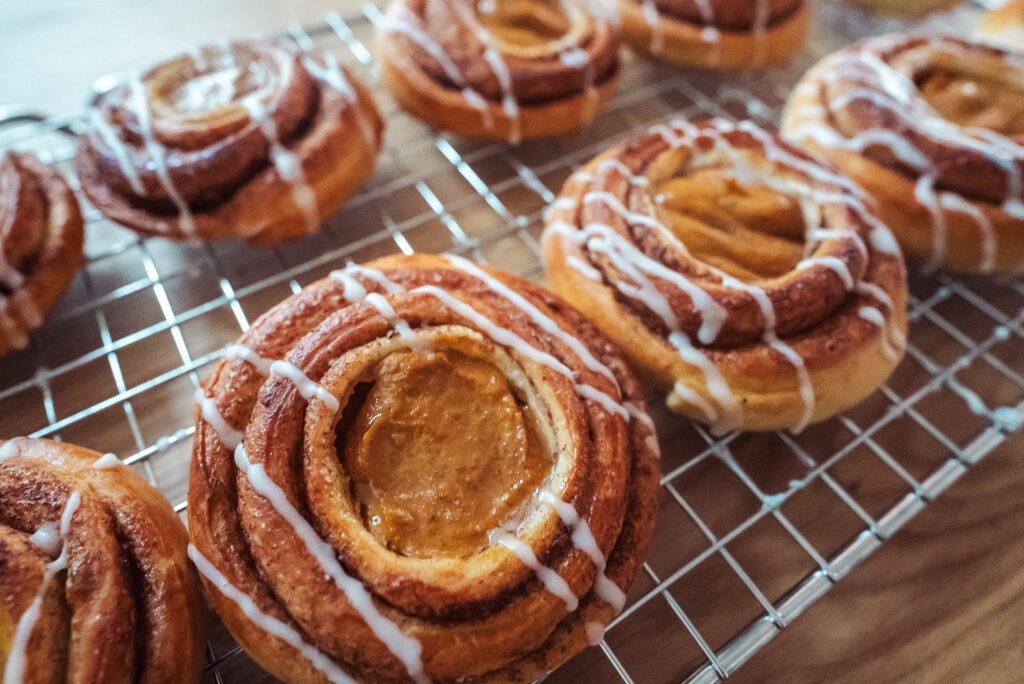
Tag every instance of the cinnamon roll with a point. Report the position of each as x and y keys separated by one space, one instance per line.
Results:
x=95 y=584
x=499 y=69
x=1004 y=25
x=252 y=139
x=420 y=469
x=933 y=128
x=742 y=275
x=722 y=34
x=41 y=236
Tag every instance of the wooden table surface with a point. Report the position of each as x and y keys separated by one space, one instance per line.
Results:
x=942 y=601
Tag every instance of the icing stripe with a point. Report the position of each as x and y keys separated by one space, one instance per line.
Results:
x=14 y=668
x=406 y=649
x=267 y=623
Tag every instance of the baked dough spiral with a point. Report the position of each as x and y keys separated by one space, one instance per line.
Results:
x=722 y=34
x=95 y=584
x=41 y=234
x=933 y=128
x=734 y=270
x=251 y=138
x=420 y=469
x=500 y=69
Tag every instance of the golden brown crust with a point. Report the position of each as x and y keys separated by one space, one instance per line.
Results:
x=951 y=193
x=719 y=34
x=264 y=152
x=730 y=341
x=121 y=602
x=453 y=68
x=485 y=617
x=41 y=235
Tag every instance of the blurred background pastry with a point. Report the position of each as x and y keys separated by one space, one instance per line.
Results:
x=250 y=139
x=500 y=69
x=933 y=128
x=723 y=34
x=41 y=236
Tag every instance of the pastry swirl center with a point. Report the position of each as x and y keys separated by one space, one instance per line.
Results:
x=223 y=82
x=975 y=100
x=441 y=452
x=749 y=231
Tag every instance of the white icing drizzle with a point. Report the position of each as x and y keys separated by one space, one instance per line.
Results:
x=653 y=18
x=834 y=263
x=267 y=623
x=156 y=152
x=106 y=461
x=332 y=75
x=889 y=89
x=502 y=335
x=267 y=367
x=228 y=436
x=954 y=202
x=613 y=163
x=551 y=580
x=10 y=327
x=385 y=309
x=546 y=323
x=638 y=267
x=47 y=538
x=759 y=28
x=582 y=536
x=508 y=338
x=288 y=165
x=585 y=269
x=771 y=338
x=400 y=20
x=632 y=262
x=874 y=315
x=578 y=58
x=406 y=649
x=583 y=539
x=509 y=104
x=559 y=203
x=9 y=275
x=9 y=449
x=354 y=291
x=306 y=387
x=110 y=138
x=14 y=669
x=893 y=339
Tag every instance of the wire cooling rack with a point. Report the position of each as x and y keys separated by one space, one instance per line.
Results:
x=753 y=528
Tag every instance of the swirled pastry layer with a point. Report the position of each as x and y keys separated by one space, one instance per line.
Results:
x=507 y=69
x=933 y=128
x=95 y=585
x=420 y=469
x=737 y=271
x=41 y=235
x=251 y=139
x=724 y=34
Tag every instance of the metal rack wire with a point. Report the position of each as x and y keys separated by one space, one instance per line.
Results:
x=753 y=528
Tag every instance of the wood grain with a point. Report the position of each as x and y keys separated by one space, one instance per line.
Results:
x=942 y=601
